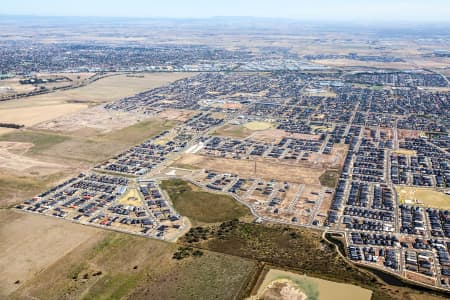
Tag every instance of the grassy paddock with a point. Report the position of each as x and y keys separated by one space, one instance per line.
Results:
x=42 y=141
x=202 y=206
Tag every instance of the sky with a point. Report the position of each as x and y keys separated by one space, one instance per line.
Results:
x=308 y=10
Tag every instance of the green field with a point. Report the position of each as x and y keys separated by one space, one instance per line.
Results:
x=138 y=132
x=237 y=131
x=41 y=140
x=202 y=206
x=329 y=178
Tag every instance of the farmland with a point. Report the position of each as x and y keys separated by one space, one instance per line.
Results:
x=22 y=258
x=118 y=266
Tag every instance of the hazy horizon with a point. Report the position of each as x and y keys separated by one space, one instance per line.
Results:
x=413 y=11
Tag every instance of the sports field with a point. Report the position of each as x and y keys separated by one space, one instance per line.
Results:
x=423 y=196
x=258 y=125
x=405 y=152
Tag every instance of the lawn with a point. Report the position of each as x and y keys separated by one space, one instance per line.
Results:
x=200 y=205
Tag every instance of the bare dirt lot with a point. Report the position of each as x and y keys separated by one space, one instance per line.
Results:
x=96 y=118
x=25 y=245
x=37 y=109
x=11 y=157
x=176 y=114
x=245 y=168
x=31 y=113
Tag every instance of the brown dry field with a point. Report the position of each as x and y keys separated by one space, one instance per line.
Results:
x=245 y=168
x=12 y=158
x=30 y=243
x=275 y=135
x=176 y=114
x=420 y=278
x=358 y=63
x=95 y=119
x=34 y=110
x=14 y=87
x=120 y=266
x=404 y=133
x=113 y=88
x=31 y=113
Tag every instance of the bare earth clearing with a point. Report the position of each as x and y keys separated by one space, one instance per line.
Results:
x=245 y=168
x=34 y=110
x=11 y=157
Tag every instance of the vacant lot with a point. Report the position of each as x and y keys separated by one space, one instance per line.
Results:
x=34 y=110
x=90 y=146
x=202 y=206
x=31 y=243
x=34 y=114
x=405 y=152
x=41 y=141
x=423 y=196
x=246 y=168
x=97 y=119
x=15 y=187
x=12 y=158
x=120 y=266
